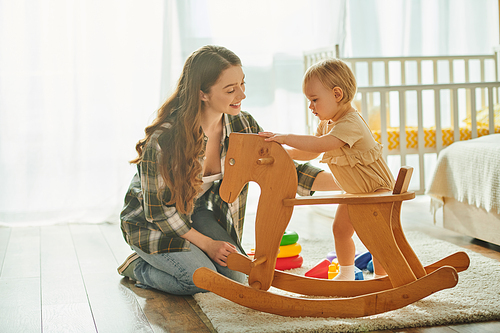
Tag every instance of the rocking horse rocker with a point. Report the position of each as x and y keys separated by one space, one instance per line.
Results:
x=250 y=158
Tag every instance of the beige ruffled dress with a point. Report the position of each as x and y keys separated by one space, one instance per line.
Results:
x=358 y=166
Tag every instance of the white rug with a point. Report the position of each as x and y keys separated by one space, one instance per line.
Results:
x=475 y=298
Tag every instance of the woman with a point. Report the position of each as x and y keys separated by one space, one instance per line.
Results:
x=174 y=218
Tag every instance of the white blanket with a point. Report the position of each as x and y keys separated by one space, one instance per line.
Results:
x=468 y=171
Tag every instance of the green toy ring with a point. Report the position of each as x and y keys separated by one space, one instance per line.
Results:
x=290 y=237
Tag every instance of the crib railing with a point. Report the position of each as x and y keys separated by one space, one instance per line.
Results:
x=418 y=144
x=452 y=62
x=397 y=88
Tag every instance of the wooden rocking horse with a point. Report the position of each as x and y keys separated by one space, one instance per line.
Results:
x=376 y=220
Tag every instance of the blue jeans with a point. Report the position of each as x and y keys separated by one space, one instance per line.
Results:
x=173 y=272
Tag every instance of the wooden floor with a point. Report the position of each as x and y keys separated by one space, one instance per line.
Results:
x=63 y=278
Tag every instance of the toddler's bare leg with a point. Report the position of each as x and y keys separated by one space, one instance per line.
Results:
x=344 y=245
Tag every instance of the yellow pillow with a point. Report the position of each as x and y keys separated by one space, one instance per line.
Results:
x=482 y=116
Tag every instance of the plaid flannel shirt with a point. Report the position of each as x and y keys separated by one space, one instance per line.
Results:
x=156 y=227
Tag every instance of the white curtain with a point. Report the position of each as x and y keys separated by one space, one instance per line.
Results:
x=78 y=81
x=395 y=28
x=269 y=37
x=81 y=79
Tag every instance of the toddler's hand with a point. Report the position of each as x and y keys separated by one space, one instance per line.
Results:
x=270 y=136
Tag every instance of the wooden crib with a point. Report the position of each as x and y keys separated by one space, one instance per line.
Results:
x=410 y=99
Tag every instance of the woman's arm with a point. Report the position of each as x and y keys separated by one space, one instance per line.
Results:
x=166 y=217
x=216 y=250
x=310 y=143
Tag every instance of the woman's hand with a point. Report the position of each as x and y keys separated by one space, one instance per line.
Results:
x=270 y=136
x=216 y=250
x=219 y=250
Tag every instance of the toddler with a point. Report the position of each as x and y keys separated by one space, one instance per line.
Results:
x=354 y=157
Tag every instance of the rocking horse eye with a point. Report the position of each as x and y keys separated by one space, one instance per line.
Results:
x=231 y=161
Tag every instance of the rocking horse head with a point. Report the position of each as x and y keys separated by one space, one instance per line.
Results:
x=251 y=158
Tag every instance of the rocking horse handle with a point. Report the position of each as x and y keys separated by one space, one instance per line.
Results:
x=265 y=160
x=403 y=180
x=257 y=262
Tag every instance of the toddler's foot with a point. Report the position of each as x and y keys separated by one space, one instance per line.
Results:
x=346 y=273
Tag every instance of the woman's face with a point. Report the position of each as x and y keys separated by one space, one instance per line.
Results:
x=323 y=102
x=226 y=94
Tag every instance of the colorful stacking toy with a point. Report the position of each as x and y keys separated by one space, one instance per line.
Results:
x=289 y=256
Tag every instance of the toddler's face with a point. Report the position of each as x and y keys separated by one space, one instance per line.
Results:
x=322 y=101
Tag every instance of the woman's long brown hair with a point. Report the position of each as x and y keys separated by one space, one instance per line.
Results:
x=183 y=142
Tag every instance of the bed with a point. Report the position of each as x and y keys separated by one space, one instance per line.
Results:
x=426 y=102
x=466 y=184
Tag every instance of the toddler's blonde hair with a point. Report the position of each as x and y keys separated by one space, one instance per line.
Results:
x=333 y=73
